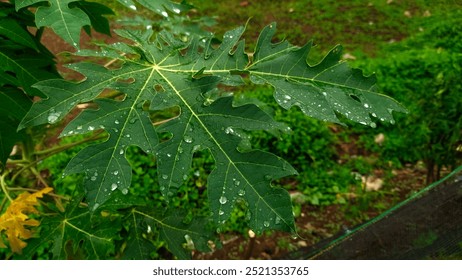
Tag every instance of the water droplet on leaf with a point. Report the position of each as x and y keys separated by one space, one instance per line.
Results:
x=223 y=200
x=229 y=130
x=188 y=139
x=53 y=116
x=114 y=186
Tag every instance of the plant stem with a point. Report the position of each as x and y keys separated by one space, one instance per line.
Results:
x=58 y=149
x=4 y=187
x=49 y=152
x=3 y=204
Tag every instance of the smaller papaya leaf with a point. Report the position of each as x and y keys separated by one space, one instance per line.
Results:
x=161 y=7
x=77 y=231
x=15 y=222
x=10 y=29
x=95 y=12
x=68 y=17
x=171 y=227
x=22 y=67
x=65 y=21
x=14 y=105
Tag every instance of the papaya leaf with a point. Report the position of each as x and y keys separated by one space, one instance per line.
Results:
x=14 y=105
x=13 y=31
x=77 y=231
x=161 y=7
x=171 y=228
x=162 y=73
x=320 y=90
x=68 y=17
x=15 y=221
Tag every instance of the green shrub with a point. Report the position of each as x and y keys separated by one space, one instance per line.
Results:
x=428 y=82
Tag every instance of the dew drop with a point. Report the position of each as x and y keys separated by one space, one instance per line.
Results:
x=133 y=7
x=277 y=220
x=95 y=206
x=373 y=124
x=268 y=177
x=366 y=105
x=116 y=122
x=266 y=223
x=113 y=187
x=124 y=191
x=165 y=176
x=236 y=182
x=133 y=120
x=93 y=178
x=164 y=13
x=185 y=177
x=229 y=130
x=121 y=151
x=223 y=200
x=221 y=212
x=197 y=173
x=176 y=10
x=188 y=139
x=169 y=155
x=53 y=116
x=241 y=192
x=374 y=115
x=115 y=172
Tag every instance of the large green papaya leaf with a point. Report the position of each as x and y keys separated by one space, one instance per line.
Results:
x=161 y=74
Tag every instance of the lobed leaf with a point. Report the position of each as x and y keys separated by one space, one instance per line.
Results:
x=161 y=7
x=68 y=17
x=165 y=73
x=77 y=231
x=14 y=105
x=321 y=90
x=171 y=228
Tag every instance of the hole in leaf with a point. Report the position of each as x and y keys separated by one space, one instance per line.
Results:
x=354 y=97
x=126 y=81
x=159 y=88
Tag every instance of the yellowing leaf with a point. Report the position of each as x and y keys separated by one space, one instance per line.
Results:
x=16 y=217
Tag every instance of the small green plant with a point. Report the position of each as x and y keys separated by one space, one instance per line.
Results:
x=425 y=75
x=157 y=94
